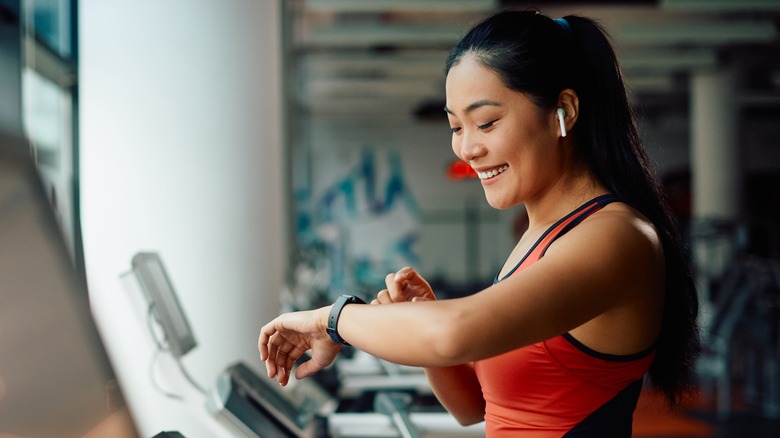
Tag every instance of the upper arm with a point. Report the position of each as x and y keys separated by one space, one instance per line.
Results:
x=605 y=263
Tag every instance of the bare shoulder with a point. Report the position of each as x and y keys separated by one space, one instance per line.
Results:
x=617 y=254
x=617 y=241
x=618 y=226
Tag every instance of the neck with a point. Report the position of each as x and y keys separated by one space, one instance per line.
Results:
x=561 y=198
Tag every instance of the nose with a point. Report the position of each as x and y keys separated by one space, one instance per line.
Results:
x=470 y=148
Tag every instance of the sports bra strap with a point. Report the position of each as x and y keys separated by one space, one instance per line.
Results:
x=591 y=207
x=571 y=220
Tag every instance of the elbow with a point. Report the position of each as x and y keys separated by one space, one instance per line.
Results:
x=449 y=351
x=450 y=343
x=468 y=414
x=469 y=420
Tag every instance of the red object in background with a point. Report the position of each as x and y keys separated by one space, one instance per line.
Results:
x=458 y=170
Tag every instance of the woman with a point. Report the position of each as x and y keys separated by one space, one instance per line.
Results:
x=596 y=294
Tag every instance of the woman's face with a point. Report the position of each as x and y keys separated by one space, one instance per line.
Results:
x=510 y=142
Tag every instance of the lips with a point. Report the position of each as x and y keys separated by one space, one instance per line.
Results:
x=492 y=172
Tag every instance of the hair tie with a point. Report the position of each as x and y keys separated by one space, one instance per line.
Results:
x=563 y=23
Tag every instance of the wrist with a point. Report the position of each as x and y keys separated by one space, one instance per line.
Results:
x=335 y=312
x=321 y=315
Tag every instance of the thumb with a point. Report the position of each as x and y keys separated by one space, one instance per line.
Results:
x=323 y=354
x=306 y=369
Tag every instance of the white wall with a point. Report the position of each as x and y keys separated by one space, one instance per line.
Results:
x=181 y=154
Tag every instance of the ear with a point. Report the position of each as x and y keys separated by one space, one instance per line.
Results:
x=570 y=102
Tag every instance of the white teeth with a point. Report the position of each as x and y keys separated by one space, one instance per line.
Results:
x=492 y=173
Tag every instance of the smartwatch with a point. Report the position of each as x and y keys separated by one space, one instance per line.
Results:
x=335 y=311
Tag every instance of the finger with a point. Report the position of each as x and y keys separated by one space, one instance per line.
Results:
x=375 y=301
x=262 y=341
x=395 y=287
x=416 y=282
x=289 y=364
x=414 y=278
x=277 y=345
x=282 y=361
x=292 y=358
x=273 y=352
x=404 y=273
x=307 y=369
x=284 y=376
x=270 y=363
x=408 y=275
x=304 y=370
x=288 y=353
x=262 y=348
x=390 y=281
x=384 y=297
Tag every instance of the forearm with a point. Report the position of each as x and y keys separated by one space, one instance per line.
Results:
x=417 y=334
x=459 y=391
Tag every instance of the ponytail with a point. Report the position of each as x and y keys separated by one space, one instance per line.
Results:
x=616 y=154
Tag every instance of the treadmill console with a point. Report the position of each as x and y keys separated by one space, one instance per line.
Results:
x=251 y=404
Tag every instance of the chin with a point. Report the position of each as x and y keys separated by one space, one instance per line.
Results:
x=500 y=204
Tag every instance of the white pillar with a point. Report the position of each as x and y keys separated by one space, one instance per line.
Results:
x=181 y=154
x=715 y=164
x=716 y=178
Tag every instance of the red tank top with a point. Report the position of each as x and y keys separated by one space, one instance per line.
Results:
x=560 y=387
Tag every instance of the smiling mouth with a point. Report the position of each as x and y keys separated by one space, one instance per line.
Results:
x=491 y=173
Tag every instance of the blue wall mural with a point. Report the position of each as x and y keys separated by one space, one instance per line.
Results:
x=365 y=223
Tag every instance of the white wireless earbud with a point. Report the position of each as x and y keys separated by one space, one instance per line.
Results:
x=561 y=114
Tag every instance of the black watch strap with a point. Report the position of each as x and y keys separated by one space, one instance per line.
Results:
x=335 y=311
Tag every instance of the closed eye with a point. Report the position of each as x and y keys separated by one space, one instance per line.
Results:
x=487 y=125
x=454 y=130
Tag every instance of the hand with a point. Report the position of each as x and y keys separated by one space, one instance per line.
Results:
x=284 y=340
x=405 y=285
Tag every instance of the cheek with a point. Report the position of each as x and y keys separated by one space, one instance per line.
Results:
x=526 y=144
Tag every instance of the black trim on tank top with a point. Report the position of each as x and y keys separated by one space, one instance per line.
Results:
x=605 y=356
x=614 y=419
x=600 y=201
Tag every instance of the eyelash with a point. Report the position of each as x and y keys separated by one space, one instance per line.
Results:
x=481 y=127
x=486 y=125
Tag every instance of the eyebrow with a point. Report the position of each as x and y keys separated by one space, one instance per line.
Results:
x=475 y=105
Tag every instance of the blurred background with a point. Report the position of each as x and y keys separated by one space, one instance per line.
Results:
x=280 y=153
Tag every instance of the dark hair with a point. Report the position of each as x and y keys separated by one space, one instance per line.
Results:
x=540 y=57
